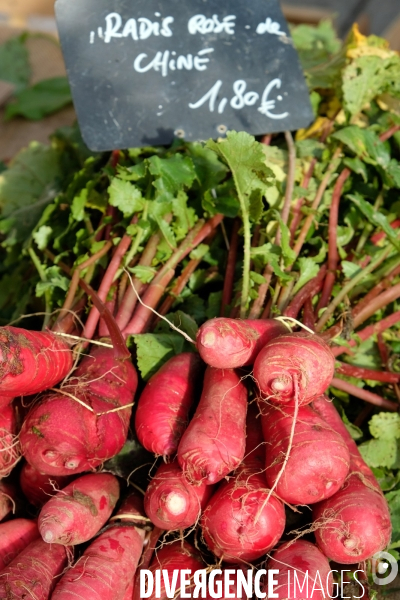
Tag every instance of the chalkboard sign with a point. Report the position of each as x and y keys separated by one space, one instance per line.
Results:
x=145 y=71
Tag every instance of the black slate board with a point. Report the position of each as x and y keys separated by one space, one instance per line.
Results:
x=245 y=72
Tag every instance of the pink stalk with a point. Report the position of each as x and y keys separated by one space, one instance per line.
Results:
x=129 y=301
x=379 y=302
x=369 y=331
x=230 y=268
x=295 y=222
x=333 y=254
x=309 y=290
x=376 y=290
x=108 y=279
x=370 y=397
x=373 y=375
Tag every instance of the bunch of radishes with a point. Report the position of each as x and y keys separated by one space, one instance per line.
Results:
x=298 y=452
x=230 y=464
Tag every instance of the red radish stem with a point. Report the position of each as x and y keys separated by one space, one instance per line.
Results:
x=129 y=300
x=258 y=304
x=332 y=167
x=370 y=397
x=372 y=294
x=240 y=521
x=369 y=331
x=297 y=363
x=381 y=235
x=213 y=445
x=105 y=286
x=34 y=572
x=182 y=281
x=163 y=408
x=298 y=562
x=309 y=290
x=230 y=268
x=67 y=324
x=308 y=314
x=388 y=134
x=383 y=350
x=376 y=304
x=106 y=569
x=350 y=285
x=289 y=183
x=38 y=487
x=68 y=302
x=354 y=524
x=362 y=373
x=77 y=512
x=111 y=305
x=227 y=343
x=319 y=460
x=31 y=361
x=15 y=535
x=333 y=254
x=171 y=502
x=296 y=213
x=143 y=313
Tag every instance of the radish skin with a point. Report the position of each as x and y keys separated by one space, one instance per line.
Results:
x=243 y=521
x=8 y=496
x=297 y=364
x=163 y=408
x=354 y=524
x=106 y=569
x=213 y=445
x=319 y=460
x=226 y=343
x=38 y=487
x=15 y=535
x=310 y=565
x=177 y=556
x=76 y=513
x=173 y=503
x=31 y=361
x=60 y=436
x=10 y=451
x=34 y=572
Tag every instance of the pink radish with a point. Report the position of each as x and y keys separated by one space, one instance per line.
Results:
x=34 y=572
x=296 y=365
x=243 y=521
x=106 y=569
x=316 y=464
x=31 y=361
x=300 y=563
x=213 y=445
x=177 y=556
x=38 y=487
x=229 y=343
x=173 y=503
x=15 y=535
x=77 y=512
x=354 y=524
x=163 y=408
x=84 y=424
